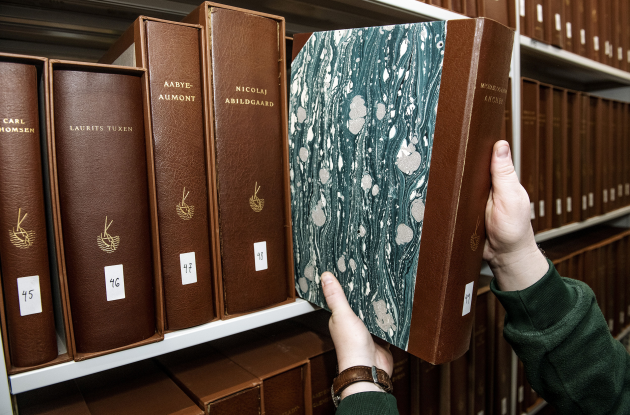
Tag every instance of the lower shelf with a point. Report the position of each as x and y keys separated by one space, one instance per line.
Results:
x=177 y=340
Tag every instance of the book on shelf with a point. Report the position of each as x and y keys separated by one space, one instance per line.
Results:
x=568 y=25
x=535 y=22
x=502 y=11
x=545 y=157
x=213 y=381
x=559 y=158
x=173 y=55
x=394 y=115
x=529 y=145
x=136 y=388
x=591 y=26
x=102 y=162
x=246 y=117
x=573 y=173
x=62 y=398
x=578 y=16
x=586 y=175
x=33 y=315
x=554 y=23
x=502 y=394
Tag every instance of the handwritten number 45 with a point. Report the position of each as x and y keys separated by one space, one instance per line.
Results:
x=115 y=282
x=27 y=295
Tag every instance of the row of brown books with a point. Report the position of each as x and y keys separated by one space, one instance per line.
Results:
x=596 y=29
x=599 y=257
x=503 y=11
x=574 y=154
x=146 y=196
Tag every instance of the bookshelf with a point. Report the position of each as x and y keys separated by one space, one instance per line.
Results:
x=83 y=30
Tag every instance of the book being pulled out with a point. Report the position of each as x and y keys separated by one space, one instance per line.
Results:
x=391 y=133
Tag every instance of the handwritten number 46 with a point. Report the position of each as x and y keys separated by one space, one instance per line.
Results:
x=27 y=295
x=115 y=282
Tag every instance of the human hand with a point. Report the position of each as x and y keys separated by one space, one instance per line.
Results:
x=353 y=343
x=510 y=248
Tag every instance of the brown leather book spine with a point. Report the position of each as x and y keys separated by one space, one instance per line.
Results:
x=627 y=277
x=471 y=8
x=537 y=21
x=555 y=23
x=429 y=386
x=521 y=403
x=625 y=35
x=619 y=154
x=545 y=158
x=618 y=50
x=567 y=25
x=604 y=21
x=619 y=256
x=603 y=156
x=104 y=199
x=401 y=380
x=590 y=268
x=481 y=353
x=625 y=180
x=284 y=393
x=172 y=56
x=456 y=6
x=591 y=25
x=614 y=154
x=244 y=402
x=579 y=27
x=59 y=399
x=324 y=371
x=573 y=184
x=529 y=144
x=560 y=157
x=248 y=110
x=507 y=117
x=456 y=198
x=595 y=171
x=495 y=10
x=503 y=366
x=460 y=370
x=23 y=245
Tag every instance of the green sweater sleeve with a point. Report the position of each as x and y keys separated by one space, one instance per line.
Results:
x=558 y=331
x=368 y=403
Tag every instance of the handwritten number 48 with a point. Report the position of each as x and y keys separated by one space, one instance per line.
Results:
x=27 y=295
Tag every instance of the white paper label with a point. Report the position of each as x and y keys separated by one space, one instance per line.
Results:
x=188 y=268
x=539 y=12
x=558 y=22
x=622 y=317
x=30 y=295
x=591 y=199
x=620 y=53
x=607 y=48
x=583 y=37
x=541 y=208
x=569 y=204
x=522 y=8
x=611 y=324
x=558 y=206
x=532 y=214
x=584 y=202
x=504 y=406
x=481 y=412
x=620 y=190
x=569 y=33
x=605 y=192
x=468 y=295
x=520 y=394
x=627 y=189
x=115 y=282
x=628 y=52
x=596 y=42
x=612 y=194
x=260 y=255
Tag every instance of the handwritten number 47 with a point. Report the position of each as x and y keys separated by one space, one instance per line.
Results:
x=188 y=268
x=27 y=295
x=467 y=298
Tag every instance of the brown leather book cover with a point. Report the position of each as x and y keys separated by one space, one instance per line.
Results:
x=618 y=51
x=284 y=373
x=481 y=353
x=586 y=177
x=560 y=157
x=401 y=380
x=567 y=25
x=456 y=6
x=59 y=399
x=173 y=55
x=545 y=158
x=25 y=268
x=107 y=200
x=498 y=10
x=595 y=197
x=470 y=8
x=459 y=373
x=605 y=31
x=554 y=27
x=627 y=277
x=247 y=110
x=625 y=34
x=536 y=20
x=212 y=381
x=573 y=183
x=625 y=180
x=602 y=154
x=578 y=26
x=137 y=388
x=506 y=132
x=503 y=366
x=530 y=103
x=614 y=155
x=429 y=387
x=594 y=44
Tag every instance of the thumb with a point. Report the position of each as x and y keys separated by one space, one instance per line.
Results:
x=504 y=177
x=335 y=297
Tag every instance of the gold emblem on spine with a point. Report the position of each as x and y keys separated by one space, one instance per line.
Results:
x=184 y=210
x=474 y=239
x=255 y=202
x=107 y=242
x=18 y=236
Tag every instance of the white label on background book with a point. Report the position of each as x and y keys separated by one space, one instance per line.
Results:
x=607 y=48
x=481 y=412
x=558 y=206
x=620 y=53
x=569 y=204
x=605 y=192
x=504 y=406
x=627 y=189
x=596 y=42
x=260 y=255
x=612 y=194
x=520 y=394
x=522 y=7
x=620 y=190
x=532 y=214
x=583 y=38
x=30 y=295
x=584 y=202
x=115 y=282
x=591 y=199
x=539 y=12
x=628 y=52
x=188 y=267
x=468 y=296
x=558 y=23
x=569 y=34
x=622 y=317
x=611 y=324
x=541 y=209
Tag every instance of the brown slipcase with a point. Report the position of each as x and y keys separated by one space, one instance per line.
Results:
x=59 y=399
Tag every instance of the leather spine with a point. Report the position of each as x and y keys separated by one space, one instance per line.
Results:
x=529 y=146
x=591 y=25
x=495 y=10
x=545 y=158
x=586 y=177
x=23 y=241
x=537 y=21
x=573 y=157
x=579 y=28
x=465 y=126
x=555 y=23
x=560 y=158
x=503 y=366
x=567 y=25
x=104 y=199
x=481 y=354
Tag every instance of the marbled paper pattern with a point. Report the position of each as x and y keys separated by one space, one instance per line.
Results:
x=361 y=124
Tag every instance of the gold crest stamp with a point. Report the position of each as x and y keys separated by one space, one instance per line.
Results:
x=255 y=202
x=107 y=242
x=475 y=238
x=20 y=237
x=184 y=210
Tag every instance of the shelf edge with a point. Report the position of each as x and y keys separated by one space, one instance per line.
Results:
x=563 y=230
x=419 y=9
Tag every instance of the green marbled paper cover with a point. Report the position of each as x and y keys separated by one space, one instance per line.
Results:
x=361 y=123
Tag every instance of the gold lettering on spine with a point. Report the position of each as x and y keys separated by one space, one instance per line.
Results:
x=107 y=242
x=474 y=239
x=255 y=202
x=184 y=210
x=19 y=237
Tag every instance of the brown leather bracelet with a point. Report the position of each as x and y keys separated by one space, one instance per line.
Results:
x=360 y=374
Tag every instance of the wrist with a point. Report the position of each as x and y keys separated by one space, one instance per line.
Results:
x=360 y=387
x=520 y=269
